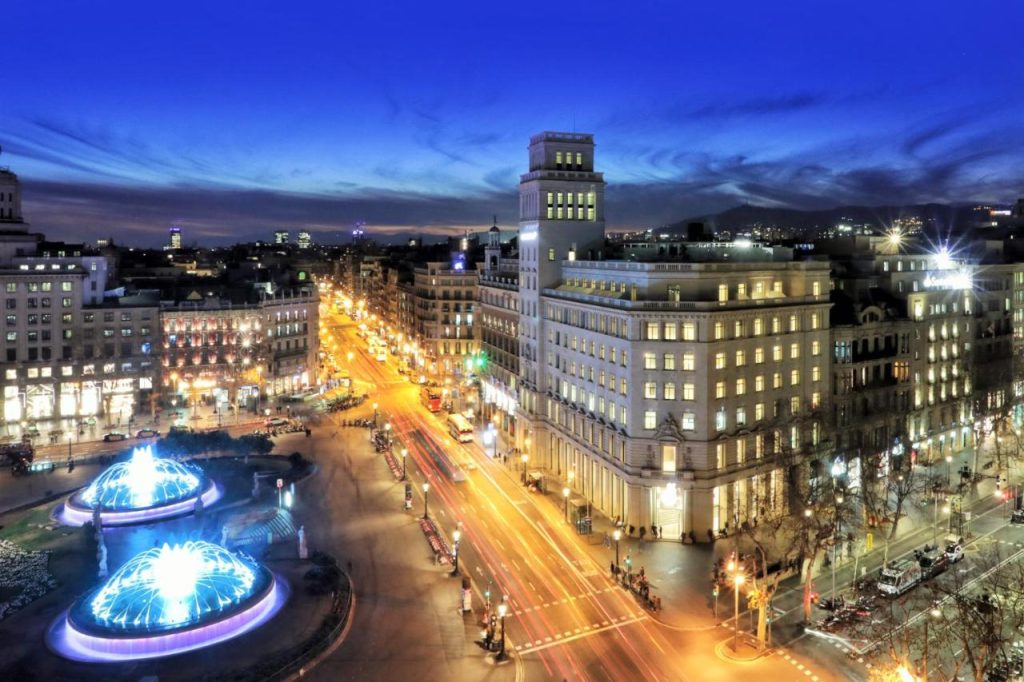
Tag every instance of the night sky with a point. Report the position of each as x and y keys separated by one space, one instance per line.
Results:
x=236 y=119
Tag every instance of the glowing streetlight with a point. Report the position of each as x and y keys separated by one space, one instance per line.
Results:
x=565 y=496
x=404 y=453
x=426 y=489
x=617 y=535
x=456 y=536
x=738 y=581
x=525 y=458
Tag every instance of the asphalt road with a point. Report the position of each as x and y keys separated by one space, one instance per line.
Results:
x=567 y=620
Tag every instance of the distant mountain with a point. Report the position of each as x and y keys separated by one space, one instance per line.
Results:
x=944 y=218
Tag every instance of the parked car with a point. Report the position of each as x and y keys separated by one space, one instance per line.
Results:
x=179 y=429
x=899 y=577
x=954 y=552
x=147 y=433
x=276 y=421
x=932 y=561
x=113 y=437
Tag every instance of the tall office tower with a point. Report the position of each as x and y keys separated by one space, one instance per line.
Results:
x=561 y=217
x=10 y=197
x=305 y=240
x=174 y=238
x=281 y=237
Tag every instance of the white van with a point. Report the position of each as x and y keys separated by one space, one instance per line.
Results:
x=899 y=576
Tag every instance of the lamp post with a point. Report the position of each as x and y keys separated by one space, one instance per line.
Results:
x=404 y=453
x=617 y=535
x=502 y=611
x=426 y=489
x=375 y=406
x=387 y=433
x=835 y=543
x=526 y=458
x=565 y=496
x=949 y=471
x=738 y=580
x=456 y=536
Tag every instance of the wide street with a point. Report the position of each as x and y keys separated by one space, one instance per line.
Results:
x=567 y=619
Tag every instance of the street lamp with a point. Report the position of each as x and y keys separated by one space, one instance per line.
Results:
x=456 y=536
x=949 y=471
x=526 y=458
x=426 y=489
x=404 y=453
x=835 y=543
x=738 y=580
x=387 y=432
x=565 y=495
x=502 y=611
x=617 y=535
x=375 y=406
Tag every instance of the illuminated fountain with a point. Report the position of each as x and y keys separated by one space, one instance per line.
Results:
x=143 y=488
x=168 y=600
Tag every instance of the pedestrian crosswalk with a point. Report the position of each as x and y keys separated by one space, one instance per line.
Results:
x=578 y=633
x=564 y=600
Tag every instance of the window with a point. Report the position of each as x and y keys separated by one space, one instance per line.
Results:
x=741 y=387
x=794 y=351
x=723 y=293
x=64 y=286
x=671 y=331
x=816 y=400
x=815 y=348
x=653 y=331
x=794 y=405
x=669 y=391
x=815 y=320
x=650 y=420
x=794 y=323
x=721 y=421
x=668 y=457
x=719 y=331
x=777 y=380
x=759 y=383
x=720 y=455
x=688 y=392
x=758 y=326
x=650 y=390
x=622 y=387
x=741 y=358
x=777 y=353
x=668 y=361
x=816 y=288
x=689 y=331
x=720 y=389
x=737 y=329
x=12 y=287
x=12 y=337
x=719 y=360
x=815 y=373
x=650 y=360
x=64 y=302
x=776 y=325
x=65 y=371
x=688 y=422
x=551 y=254
x=759 y=356
x=688 y=362
x=794 y=377
x=11 y=374
x=758 y=411
x=741 y=420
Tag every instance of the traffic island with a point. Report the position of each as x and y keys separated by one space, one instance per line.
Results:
x=746 y=649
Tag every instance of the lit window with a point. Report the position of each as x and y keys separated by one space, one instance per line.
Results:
x=777 y=380
x=669 y=391
x=794 y=377
x=688 y=422
x=720 y=389
x=689 y=331
x=723 y=293
x=815 y=348
x=668 y=361
x=741 y=358
x=759 y=356
x=759 y=383
x=720 y=455
x=689 y=363
x=688 y=392
x=794 y=323
x=794 y=351
x=650 y=419
x=719 y=360
x=758 y=412
x=650 y=390
x=741 y=420
x=653 y=329
x=650 y=360
x=815 y=373
x=777 y=353
x=671 y=331
x=721 y=420
x=758 y=326
x=741 y=387
x=815 y=320
x=794 y=405
x=816 y=288
x=719 y=331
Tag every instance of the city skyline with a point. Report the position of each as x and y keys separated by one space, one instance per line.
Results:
x=268 y=121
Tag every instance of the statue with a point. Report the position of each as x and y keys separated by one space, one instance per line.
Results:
x=303 y=550
x=101 y=557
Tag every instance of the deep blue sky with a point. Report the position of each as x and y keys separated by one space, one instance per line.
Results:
x=235 y=118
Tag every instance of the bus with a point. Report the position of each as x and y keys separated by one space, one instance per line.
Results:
x=431 y=398
x=460 y=428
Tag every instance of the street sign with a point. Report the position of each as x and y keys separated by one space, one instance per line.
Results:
x=869 y=541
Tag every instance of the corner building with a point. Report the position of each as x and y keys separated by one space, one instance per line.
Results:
x=657 y=390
